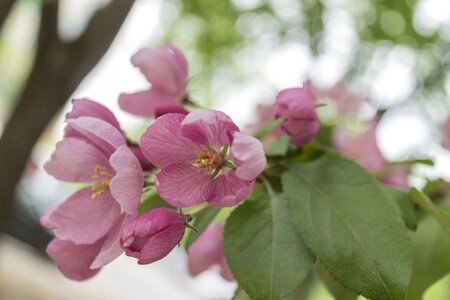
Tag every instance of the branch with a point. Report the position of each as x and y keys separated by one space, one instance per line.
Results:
x=5 y=8
x=57 y=71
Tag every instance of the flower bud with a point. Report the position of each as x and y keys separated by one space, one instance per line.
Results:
x=296 y=107
x=152 y=235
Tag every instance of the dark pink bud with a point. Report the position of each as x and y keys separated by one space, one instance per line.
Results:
x=151 y=236
x=296 y=107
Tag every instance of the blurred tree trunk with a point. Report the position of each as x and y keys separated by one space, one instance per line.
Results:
x=5 y=8
x=58 y=69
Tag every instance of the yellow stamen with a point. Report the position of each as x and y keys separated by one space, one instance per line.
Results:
x=207 y=159
x=102 y=185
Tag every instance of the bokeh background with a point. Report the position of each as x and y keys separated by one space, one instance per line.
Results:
x=393 y=56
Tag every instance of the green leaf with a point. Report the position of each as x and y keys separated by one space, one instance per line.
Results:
x=279 y=147
x=266 y=255
x=440 y=215
x=152 y=200
x=263 y=131
x=431 y=247
x=240 y=294
x=405 y=203
x=334 y=287
x=200 y=222
x=351 y=226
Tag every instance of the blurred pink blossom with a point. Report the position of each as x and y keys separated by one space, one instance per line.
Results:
x=166 y=69
x=446 y=135
x=207 y=250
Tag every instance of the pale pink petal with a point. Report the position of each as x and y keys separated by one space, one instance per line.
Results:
x=111 y=248
x=88 y=108
x=74 y=260
x=446 y=135
x=229 y=190
x=100 y=133
x=207 y=249
x=144 y=103
x=183 y=185
x=126 y=186
x=167 y=108
x=361 y=148
x=163 y=144
x=74 y=160
x=161 y=244
x=209 y=127
x=182 y=66
x=83 y=220
x=162 y=68
x=225 y=271
x=249 y=152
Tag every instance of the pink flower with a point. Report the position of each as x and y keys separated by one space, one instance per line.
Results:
x=207 y=250
x=152 y=235
x=296 y=107
x=95 y=152
x=446 y=135
x=202 y=157
x=361 y=148
x=166 y=69
x=346 y=102
x=88 y=108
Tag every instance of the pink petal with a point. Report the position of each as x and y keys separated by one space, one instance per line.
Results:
x=88 y=108
x=74 y=260
x=100 y=133
x=209 y=127
x=163 y=69
x=301 y=131
x=249 y=152
x=111 y=248
x=81 y=219
x=161 y=244
x=74 y=160
x=182 y=65
x=163 y=144
x=225 y=270
x=229 y=190
x=295 y=103
x=363 y=148
x=183 y=185
x=446 y=135
x=145 y=164
x=144 y=103
x=126 y=186
x=167 y=108
x=206 y=250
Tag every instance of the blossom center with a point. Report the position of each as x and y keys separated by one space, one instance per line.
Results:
x=102 y=180
x=211 y=161
x=207 y=159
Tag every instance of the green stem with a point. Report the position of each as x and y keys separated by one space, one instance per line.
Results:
x=424 y=202
x=263 y=131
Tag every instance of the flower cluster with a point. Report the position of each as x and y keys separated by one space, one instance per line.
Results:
x=190 y=157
